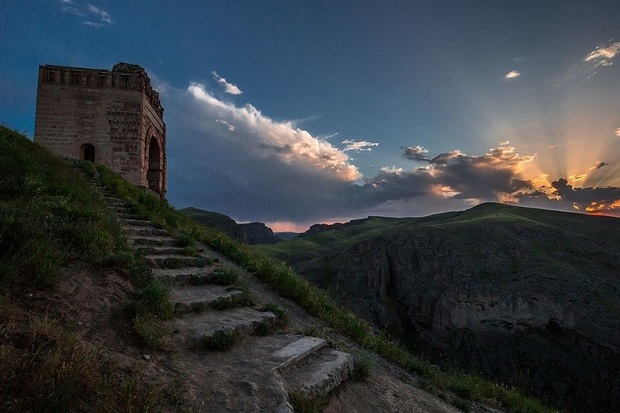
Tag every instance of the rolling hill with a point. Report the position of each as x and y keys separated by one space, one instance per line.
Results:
x=526 y=296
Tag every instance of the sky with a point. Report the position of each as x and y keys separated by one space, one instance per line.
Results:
x=298 y=112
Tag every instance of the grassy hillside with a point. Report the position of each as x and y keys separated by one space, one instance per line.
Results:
x=342 y=236
x=58 y=244
x=55 y=236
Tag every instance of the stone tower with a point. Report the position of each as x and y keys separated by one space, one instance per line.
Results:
x=110 y=117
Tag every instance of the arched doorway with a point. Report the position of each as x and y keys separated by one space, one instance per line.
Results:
x=153 y=175
x=88 y=152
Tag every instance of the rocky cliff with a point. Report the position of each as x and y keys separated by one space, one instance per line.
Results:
x=528 y=297
x=250 y=233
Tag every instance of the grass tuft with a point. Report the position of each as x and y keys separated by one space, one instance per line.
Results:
x=221 y=340
x=363 y=366
x=223 y=276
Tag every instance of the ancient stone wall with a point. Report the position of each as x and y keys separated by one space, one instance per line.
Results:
x=110 y=117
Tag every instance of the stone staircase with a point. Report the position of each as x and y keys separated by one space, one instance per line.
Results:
x=206 y=311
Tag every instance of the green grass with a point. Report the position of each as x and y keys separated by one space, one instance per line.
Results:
x=288 y=284
x=363 y=366
x=224 y=276
x=221 y=340
x=48 y=215
x=282 y=318
x=50 y=223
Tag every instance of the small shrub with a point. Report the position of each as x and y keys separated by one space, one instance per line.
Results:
x=156 y=299
x=224 y=277
x=185 y=241
x=120 y=260
x=192 y=252
x=150 y=332
x=227 y=303
x=282 y=318
x=363 y=366
x=221 y=340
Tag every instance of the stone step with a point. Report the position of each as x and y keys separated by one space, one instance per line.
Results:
x=297 y=350
x=158 y=250
x=115 y=203
x=123 y=215
x=136 y=222
x=240 y=322
x=318 y=374
x=154 y=240
x=131 y=230
x=188 y=299
x=175 y=261
x=119 y=209
x=184 y=276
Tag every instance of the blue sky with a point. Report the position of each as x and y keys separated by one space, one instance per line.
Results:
x=297 y=112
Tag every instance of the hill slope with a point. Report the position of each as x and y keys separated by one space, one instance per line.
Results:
x=85 y=326
x=526 y=296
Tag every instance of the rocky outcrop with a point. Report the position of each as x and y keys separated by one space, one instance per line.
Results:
x=532 y=305
x=251 y=233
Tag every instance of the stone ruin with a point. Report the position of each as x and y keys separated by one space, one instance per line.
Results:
x=111 y=117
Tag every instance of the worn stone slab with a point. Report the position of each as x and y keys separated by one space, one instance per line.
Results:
x=318 y=374
x=152 y=240
x=131 y=230
x=116 y=203
x=183 y=276
x=187 y=298
x=136 y=222
x=119 y=209
x=158 y=250
x=243 y=321
x=174 y=261
x=297 y=350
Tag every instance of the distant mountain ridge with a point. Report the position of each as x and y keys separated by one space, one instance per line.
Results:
x=527 y=296
x=249 y=233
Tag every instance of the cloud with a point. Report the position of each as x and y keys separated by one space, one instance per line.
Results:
x=358 y=146
x=238 y=161
x=592 y=200
x=228 y=87
x=89 y=12
x=415 y=153
x=103 y=15
x=513 y=74
x=603 y=55
x=490 y=176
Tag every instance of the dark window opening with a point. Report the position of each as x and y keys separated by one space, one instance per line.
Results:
x=88 y=152
x=101 y=80
x=77 y=78
x=124 y=81
x=51 y=76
